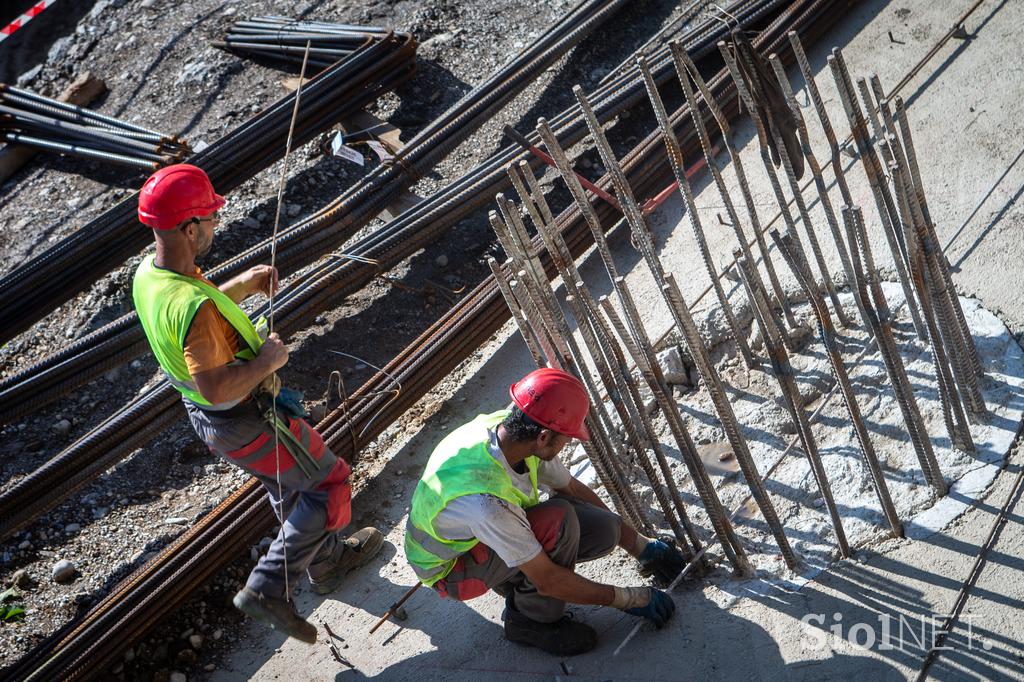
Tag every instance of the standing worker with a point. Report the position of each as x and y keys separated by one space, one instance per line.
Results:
x=476 y=521
x=224 y=367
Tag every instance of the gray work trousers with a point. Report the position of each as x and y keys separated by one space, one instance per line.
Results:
x=569 y=531
x=311 y=509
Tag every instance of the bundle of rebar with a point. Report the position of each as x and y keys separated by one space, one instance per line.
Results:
x=283 y=40
x=122 y=340
x=30 y=119
x=31 y=291
x=85 y=647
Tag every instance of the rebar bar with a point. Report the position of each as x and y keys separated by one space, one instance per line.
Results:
x=791 y=395
x=741 y=179
x=798 y=264
x=819 y=180
x=675 y=157
x=879 y=318
x=949 y=396
x=751 y=95
x=963 y=347
x=883 y=200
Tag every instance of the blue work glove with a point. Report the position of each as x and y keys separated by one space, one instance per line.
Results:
x=646 y=602
x=662 y=560
x=289 y=402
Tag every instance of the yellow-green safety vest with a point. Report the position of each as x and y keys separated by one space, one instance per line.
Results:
x=460 y=465
x=166 y=302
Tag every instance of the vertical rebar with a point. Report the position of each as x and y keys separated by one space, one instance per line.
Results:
x=675 y=156
x=682 y=57
x=585 y=311
x=819 y=181
x=791 y=395
x=936 y=260
x=883 y=200
x=879 y=317
x=750 y=96
x=798 y=264
x=949 y=396
x=698 y=474
x=727 y=418
x=826 y=122
x=530 y=336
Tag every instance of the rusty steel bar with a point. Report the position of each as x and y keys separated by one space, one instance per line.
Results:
x=675 y=156
x=936 y=260
x=949 y=395
x=784 y=374
x=680 y=55
x=751 y=95
x=727 y=418
x=798 y=264
x=720 y=521
x=883 y=200
x=530 y=336
x=819 y=180
x=879 y=317
x=618 y=378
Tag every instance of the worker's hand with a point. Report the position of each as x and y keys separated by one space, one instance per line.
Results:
x=260 y=279
x=274 y=352
x=662 y=560
x=646 y=602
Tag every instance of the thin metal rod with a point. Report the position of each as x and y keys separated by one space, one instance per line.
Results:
x=675 y=156
x=680 y=54
x=784 y=374
x=727 y=418
x=798 y=264
x=883 y=200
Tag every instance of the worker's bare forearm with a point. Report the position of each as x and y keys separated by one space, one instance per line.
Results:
x=581 y=491
x=232 y=382
x=559 y=582
x=237 y=288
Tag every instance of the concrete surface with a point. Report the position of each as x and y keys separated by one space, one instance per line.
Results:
x=965 y=110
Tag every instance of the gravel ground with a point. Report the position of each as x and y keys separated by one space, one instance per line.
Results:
x=155 y=58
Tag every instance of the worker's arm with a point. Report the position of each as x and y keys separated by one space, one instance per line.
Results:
x=559 y=582
x=234 y=382
x=257 y=279
x=659 y=557
x=581 y=491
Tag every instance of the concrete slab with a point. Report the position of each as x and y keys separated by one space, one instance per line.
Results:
x=965 y=110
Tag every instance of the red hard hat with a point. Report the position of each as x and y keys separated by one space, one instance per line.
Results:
x=176 y=193
x=554 y=399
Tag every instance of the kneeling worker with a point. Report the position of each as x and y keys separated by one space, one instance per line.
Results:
x=219 y=361
x=476 y=521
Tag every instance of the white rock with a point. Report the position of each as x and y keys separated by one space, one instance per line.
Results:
x=62 y=428
x=195 y=641
x=63 y=571
x=72 y=528
x=441 y=261
x=178 y=677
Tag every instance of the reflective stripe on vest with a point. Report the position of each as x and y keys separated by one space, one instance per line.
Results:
x=460 y=465
x=167 y=302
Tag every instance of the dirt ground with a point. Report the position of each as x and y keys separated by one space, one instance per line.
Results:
x=970 y=129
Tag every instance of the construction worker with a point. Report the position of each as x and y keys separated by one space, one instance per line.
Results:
x=477 y=523
x=224 y=366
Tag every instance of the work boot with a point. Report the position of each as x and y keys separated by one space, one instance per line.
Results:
x=278 y=613
x=564 y=637
x=355 y=551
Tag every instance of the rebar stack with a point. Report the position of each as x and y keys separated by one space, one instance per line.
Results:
x=283 y=40
x=30 y=119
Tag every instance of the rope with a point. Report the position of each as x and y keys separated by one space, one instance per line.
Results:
x=270 y=289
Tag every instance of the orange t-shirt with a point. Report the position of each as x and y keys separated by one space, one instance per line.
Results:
x=211 y=341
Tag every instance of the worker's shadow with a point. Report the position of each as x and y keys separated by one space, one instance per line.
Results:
x=702 y=641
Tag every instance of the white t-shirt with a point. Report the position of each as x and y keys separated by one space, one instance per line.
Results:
x=498 y=524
